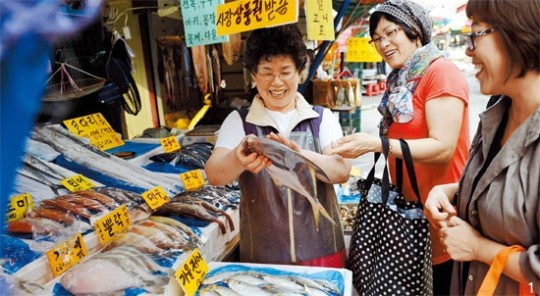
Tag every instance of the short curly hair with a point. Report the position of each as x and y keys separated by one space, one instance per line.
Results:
x=266 y=43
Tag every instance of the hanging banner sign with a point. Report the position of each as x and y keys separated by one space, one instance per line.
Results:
x=96 y=128
x=246 y=15
x=359 y=50
x=319 y=20
x=199 y=19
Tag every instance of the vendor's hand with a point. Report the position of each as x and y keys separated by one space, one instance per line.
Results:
x=437 y=207
x=355 y=145
x=460 y=240
x=283 y=140
x=251 y=161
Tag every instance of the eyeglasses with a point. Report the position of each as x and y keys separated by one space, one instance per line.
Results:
x=469 y=39
x=269 y=76
x=388 y=36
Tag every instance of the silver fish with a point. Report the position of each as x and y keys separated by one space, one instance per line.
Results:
x=291 y=170
x=82 y=153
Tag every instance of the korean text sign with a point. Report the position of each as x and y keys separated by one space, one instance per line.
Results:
x=246 y=15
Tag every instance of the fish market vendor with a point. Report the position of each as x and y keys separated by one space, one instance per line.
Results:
x=277 y=224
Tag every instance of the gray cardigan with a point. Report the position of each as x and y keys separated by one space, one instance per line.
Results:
x=505 y=206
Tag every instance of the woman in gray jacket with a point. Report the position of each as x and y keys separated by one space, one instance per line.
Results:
x=498 y=196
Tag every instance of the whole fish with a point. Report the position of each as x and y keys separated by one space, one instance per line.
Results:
x=216 y=72
x=191 y=200
x=190 y=210
x=291 y=170
x=198 y=54
x=102 y=164
x=182 y=228
x=113 y=271
x=231 y=49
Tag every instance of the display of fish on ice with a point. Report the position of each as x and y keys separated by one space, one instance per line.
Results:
x=239 y=280
x=186 y=205
x=106 y=168
x=42 y=179
x=220 y=197
x=129 y=261
x=192 y=156
x=63 y=216
x=291 y=170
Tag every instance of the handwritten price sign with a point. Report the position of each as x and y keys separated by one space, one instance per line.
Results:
x=192 y=272
x=193 y=180
x=155 y=197
x=96 y=128
x=169 y=144
x=65 y=255
x=112 y=224
x=77 y=183
x=18 y=206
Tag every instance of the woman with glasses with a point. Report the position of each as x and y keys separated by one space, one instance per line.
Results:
x=497 y=218
x=426 y=103
x=278 y=225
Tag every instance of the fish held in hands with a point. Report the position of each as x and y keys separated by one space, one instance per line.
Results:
x=292 y=170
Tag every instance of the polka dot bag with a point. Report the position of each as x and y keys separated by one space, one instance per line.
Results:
x=390 y=250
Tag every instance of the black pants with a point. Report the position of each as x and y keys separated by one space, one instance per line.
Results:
x=442 y=278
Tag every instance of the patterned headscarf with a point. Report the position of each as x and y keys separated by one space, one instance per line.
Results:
x=410 y=13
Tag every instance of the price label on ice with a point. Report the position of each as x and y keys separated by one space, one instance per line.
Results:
x=192 y=272
x=96 y=128
x=170 y=144
x=193 y=180
x=18 y=206
x=112 y=224
x=66 y=254
x=155 y=197
x=77 y=183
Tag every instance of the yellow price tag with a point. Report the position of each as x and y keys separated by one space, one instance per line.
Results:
x=96 y=128
x=193 y=180
x=359 y=50
x=112 y=224
x=18 y=206
x=319 y=20
x=246 y=15
x=155 y=197
x=66 y=254
x=77 y=183
x=170 y=144
x=192 y=272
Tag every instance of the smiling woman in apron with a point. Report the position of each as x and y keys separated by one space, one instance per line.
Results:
x=278 y=225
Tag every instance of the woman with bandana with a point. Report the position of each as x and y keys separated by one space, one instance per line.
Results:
x=426 y=104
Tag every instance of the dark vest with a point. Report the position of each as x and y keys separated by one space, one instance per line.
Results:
x=268 y=212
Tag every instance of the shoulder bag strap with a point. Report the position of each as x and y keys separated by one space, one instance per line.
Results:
x=364 y=185
x=410 y=168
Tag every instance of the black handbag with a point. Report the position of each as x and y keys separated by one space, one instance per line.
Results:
x=390 y=250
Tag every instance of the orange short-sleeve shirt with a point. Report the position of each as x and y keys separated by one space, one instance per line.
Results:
x=441 y=79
